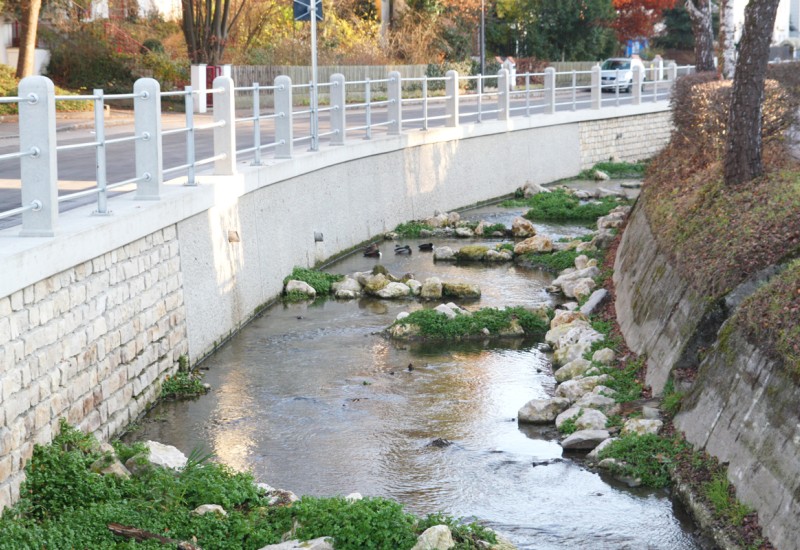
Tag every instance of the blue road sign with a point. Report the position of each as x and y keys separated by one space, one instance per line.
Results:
x=302 y=10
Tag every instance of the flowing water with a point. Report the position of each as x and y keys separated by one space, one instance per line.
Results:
x=311 y=399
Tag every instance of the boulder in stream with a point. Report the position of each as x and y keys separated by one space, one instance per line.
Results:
x=542 y=411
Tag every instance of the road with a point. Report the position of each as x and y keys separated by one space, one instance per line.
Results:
x=77 y=168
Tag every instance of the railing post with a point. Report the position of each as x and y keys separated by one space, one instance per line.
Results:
x=549 y=90
x=198 y=75
x=100 y=153
x=394 y=89
x=147 y=126
x=284 y=132
x=451 y=103
x=672 y=72
x=39 y=169
x=338 y=109
x=225 y=133
x=638 y=74
x=597 y=91
x=190 y=156
x=503 y=96
x=256 y=123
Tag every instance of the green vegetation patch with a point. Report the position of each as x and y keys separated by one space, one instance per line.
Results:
x=182 y=385
x=617 y=170
x=646 y=457
x=64 y=504
x=318 y=280
x=721 y=495
x=569 y=426
x=9 y=88
x=556 y=261
x=411 y=230
x=560 y=205
x=770 y=317
x=435 y=325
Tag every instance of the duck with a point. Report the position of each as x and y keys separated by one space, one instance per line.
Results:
x=402 y=249
x=426 y=247
x=372 y=251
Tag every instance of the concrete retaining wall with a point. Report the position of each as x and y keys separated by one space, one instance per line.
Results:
x=741 y=408
x=624 y=138
x=92 y=319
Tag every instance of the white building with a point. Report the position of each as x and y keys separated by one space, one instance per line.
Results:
x=787 y=21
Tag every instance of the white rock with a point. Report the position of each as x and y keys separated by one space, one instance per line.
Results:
x=582 y=288
x=165 y=456
x=322 y=543
x=585 y=439
x=595 y=300
x=566 y=316
x=444 y=254
x=448 y=311
x=594 y=456
x=208 y=509
x=604 y=356
x=585 y=419
x=431 y=289
x=393 y=291
x=575 y=389
x=301 y=286
x=402 y=315
x=542 y=411
x=437 y=537
x=353 y=497
x=575 y=274
x=581 y=261
x=522 y=228
x=599 y=175
x=498 y=256
x=595 y=401
x=464 y=233
x=642 y=426
x=570 y=352
x=573 y=369
x=415 y=286
x=538 y=244
x=348 y=283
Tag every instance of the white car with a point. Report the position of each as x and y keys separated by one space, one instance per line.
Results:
x=617 y=73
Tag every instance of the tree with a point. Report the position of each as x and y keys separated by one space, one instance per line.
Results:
x=206 y=25
x=743 y=143
x=726 y=41
x=637 y=18
x=700 y=14
x=29 y=26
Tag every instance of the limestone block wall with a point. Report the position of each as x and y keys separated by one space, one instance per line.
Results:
x=743 y=410
x=624 y=138
x=87 y=344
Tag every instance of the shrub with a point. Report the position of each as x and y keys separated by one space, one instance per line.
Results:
x=561 y=205
x=318 y=280
x=557 y=261
x=9 y=88
x=182 y=385
x=646 y=457
x=411 y=230
x=433 y=324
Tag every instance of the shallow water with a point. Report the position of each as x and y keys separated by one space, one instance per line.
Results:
x=313 y=400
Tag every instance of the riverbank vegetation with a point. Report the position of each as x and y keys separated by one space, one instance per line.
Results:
x=485 y=322
x=65 y=504
x=561 y=205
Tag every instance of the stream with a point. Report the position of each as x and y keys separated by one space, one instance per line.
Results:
x=311 y=399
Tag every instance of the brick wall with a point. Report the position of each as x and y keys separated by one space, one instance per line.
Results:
x=624 y=139
x=87 y=344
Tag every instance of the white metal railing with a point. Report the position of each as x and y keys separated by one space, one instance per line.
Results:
x=274 y=123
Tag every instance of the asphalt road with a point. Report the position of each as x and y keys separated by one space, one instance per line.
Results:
x=77 y=167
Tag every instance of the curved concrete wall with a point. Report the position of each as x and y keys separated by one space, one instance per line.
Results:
x=92 y=319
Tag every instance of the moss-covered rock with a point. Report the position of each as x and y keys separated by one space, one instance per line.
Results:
x=472 y=253
x=461 y=290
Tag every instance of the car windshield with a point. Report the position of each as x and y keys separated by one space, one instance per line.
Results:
x=613 y=64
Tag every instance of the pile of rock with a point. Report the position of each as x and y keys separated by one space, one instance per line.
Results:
x=379 y=283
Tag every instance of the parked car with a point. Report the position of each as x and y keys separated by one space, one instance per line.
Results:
x=617 y=72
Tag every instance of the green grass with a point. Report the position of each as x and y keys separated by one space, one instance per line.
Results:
x=65 y=505
x=182 y=384
x=559 y=205
x=568 y=426
x=624 y=380
x=489 y=229
x=295 y=296
x=318 y=280
x=719 y=493
x=435 y=325
x=646 y=457
x=556 y=261
x=411 y=230
x=617 y=170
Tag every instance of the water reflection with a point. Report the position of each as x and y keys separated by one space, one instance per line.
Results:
x=312 y=399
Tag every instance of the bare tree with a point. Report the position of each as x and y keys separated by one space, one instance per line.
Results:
x=206 y=25
x=27 y=36
x=743 y=143
x=700 y=14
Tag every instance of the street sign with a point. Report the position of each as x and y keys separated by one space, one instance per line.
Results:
x=302 y=10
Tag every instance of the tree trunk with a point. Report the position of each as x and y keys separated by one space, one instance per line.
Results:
x=743 y=146
x=726 y=38
x=700 y=15
x=27 y=37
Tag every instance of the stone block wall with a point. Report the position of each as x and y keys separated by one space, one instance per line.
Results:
x=88 y=344
x=629 y=138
